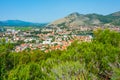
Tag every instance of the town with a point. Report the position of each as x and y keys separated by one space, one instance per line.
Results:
x=48 y=38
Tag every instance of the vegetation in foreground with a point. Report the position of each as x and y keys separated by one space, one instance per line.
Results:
x=96 y=60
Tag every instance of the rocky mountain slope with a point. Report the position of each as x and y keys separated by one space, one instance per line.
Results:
x=76 y=19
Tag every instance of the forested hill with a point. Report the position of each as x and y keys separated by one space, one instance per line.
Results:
x=20 y=23
x=76 y=19
x=96 y=60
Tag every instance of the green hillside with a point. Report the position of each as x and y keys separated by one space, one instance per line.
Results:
x=96 y=60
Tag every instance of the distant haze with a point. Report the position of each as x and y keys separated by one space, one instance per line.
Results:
x=50 y=10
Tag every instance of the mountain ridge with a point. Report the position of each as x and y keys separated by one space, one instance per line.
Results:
x=73 y=19
x=20 y=23
x=93 y=19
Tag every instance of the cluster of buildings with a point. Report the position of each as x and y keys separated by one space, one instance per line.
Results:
x=48 y=38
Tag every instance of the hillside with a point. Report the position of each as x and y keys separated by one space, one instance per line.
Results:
x=76 y=19
x=96 y=60
x=19 y=23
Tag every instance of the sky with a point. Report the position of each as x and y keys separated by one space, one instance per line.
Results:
x=43 y=11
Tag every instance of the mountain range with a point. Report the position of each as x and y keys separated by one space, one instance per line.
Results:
x=20 y=23
x=76 y=19
x=73 y=19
